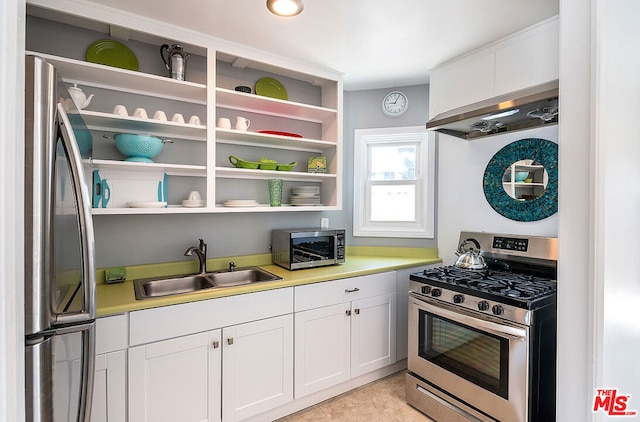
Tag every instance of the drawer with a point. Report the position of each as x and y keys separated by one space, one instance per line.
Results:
x=111 y=333
x=331 y=292
x=166 y=322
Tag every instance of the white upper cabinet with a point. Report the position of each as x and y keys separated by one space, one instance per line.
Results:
x=297 y=115
x=523 y=60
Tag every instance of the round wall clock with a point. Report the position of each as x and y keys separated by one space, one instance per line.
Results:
x=395 y=104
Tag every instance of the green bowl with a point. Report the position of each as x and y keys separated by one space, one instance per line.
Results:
x=268 y=166
x=240 y=163
x=286 y=167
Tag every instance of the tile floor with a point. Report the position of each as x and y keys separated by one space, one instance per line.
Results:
x=379 y=401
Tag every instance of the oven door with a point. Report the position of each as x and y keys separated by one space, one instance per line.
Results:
x=475 y=359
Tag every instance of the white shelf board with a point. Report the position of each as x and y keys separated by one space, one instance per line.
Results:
x=96 y=75
x=108 y=122
x=235 y=100
x=177 y=209
x=238 y=137
x=294 y=176
x=170 y=169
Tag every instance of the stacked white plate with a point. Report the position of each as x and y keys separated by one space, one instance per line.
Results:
x=240 y=203
x=305 y=195
x=196 y=203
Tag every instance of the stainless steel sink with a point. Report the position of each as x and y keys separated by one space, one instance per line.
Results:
x=157 y=287
x=242 y=276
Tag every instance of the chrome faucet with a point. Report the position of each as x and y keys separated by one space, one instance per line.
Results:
x=201 y=252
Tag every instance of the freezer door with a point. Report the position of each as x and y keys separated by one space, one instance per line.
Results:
x=59 y=244
x=59 y=374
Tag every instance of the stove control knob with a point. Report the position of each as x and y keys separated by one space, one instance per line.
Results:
x=436 y=292
x=458 y=298
x=483 y=305
x=497 y=310
x=426 y=290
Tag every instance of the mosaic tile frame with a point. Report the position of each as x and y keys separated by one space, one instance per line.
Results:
x=541 y=150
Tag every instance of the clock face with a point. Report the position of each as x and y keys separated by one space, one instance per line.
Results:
x=395 y=104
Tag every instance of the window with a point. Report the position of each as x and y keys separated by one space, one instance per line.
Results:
x=394 y=183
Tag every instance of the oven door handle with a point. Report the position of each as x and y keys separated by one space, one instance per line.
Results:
x=502 y=330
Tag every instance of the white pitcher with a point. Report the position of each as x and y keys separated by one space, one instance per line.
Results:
x=242 y=123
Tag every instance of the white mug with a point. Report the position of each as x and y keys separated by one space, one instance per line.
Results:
x=194 y=195
x=120 y=110
x=194 y=120
x=141 y=113
x=242 y=123
x=160 y=115
x=224 y=123
x=178 y=118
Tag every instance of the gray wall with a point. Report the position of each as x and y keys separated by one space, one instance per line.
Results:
x=363 y=110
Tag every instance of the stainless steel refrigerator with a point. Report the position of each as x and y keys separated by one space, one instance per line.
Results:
x=59 y=253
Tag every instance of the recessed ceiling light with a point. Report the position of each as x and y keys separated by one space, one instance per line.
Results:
x=501 y=114
x=285 y=7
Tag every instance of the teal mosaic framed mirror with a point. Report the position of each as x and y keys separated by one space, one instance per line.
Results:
x=521 y=180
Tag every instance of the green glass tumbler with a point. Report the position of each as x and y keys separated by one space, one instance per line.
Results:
x=275 y=192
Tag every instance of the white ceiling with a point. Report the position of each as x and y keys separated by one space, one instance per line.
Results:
x=374 y=43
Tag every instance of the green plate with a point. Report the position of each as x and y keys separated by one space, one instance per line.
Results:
x=112 y=53
x=269 y=87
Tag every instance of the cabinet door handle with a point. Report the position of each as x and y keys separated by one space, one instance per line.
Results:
x=230 y=341
x=351 y=290
x=348 y=312
x=216 y=344
x=357 y=311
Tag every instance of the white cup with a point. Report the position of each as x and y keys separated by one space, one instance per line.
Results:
x=120 y=110
x=160 y=115
x=194 y=120
x=141 y=113
x=224 y=123
x=194 y=196
x=178 y=118
x=242 y=123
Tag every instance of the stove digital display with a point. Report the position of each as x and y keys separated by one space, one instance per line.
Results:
x=510 y=244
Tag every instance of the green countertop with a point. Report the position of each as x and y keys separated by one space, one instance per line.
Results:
x=118 y=298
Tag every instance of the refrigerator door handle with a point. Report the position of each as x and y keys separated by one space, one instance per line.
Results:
x=88 y=311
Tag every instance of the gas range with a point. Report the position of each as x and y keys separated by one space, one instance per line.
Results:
x=482 y=339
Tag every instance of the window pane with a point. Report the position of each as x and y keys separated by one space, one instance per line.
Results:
x=393 y=162
x=393 y=203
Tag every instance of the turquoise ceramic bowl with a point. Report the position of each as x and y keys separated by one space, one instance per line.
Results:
x=521 y=175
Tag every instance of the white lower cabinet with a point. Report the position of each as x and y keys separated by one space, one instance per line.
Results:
x=109 y=402
x=233 y=373
x=176 y=380
x=257 y=367
x=339 y=341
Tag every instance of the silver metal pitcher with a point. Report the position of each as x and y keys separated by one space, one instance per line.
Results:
x=175 y=60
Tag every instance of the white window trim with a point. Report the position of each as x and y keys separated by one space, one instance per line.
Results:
x=423 y=227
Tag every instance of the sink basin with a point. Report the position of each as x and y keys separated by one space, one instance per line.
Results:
x=157 y=287
x=242 y=276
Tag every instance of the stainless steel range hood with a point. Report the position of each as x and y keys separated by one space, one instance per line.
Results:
x=535 y=106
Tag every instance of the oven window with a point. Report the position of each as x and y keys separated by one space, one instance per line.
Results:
x=312 y=248
x=472 y=354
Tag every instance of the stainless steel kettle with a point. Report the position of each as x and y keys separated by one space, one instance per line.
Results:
x=469 y=257
x=175 y=61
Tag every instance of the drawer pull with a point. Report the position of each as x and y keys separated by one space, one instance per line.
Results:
x=230 y=341
x=351 y=290
x=216 y=344
x=348 y=312
x=357 y=311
